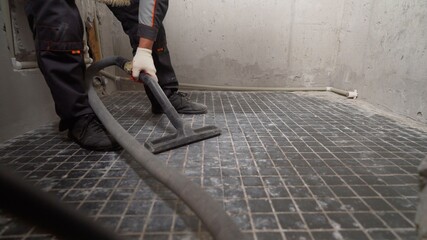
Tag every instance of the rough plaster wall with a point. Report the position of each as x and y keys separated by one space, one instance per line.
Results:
x=375 y=46
x=212 y=42
x=383 y=54
x=314 y=36
x=254 y=43
x=251 y=43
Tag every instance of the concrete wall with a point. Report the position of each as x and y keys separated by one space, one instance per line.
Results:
x=25 y=100
x=382 y=53
x=375 y=46
x=254 y=43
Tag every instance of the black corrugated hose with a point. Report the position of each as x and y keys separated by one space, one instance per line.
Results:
x=34 y=206
x=206 y=208
x=39 y=208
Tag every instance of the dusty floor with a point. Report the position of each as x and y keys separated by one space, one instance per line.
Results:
x=287 y=166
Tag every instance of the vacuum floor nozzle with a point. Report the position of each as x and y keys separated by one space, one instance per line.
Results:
x=210 y=211
x=179 y=139
x=184 y=134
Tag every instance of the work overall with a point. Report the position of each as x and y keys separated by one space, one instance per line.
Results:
x=58 y=32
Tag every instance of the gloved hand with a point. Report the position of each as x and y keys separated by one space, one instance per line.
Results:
x=143 y=61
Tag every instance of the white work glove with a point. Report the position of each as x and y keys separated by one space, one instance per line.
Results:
x=143 y=61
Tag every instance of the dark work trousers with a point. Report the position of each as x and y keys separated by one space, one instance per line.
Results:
x=128 y=16
x=58 y=34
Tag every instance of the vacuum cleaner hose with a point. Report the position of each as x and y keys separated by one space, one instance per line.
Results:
x=37 y=207
x=212 y=214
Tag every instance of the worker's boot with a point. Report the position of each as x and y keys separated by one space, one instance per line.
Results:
x=182 y=104
x=89 y=133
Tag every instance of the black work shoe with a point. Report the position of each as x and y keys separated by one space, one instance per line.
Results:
x=90 y=134
x=182 y=104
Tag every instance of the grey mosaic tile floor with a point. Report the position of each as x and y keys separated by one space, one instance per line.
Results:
x=287 y=166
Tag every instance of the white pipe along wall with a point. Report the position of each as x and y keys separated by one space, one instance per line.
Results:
x=348 y=44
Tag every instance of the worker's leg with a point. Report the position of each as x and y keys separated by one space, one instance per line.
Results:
x=128 y=16
x=58 y=34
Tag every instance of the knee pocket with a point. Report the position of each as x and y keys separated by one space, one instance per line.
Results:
x=61 y=38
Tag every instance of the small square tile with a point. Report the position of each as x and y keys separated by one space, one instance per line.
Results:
x=316 y=221
x=369 y=220
x=382 y=235
x=332 y=180
x=268 y=235
x=402 y=204
x=322 y=191
x=299 y=192
x=108 y=222
x=139 y=208
x=378 y=204
x=342 y=191
x=330 y=204
x=291 y=235
x=395 y=220
x=252 y=181
x=91 y=208
x=291 y=221
x=277 y=192
x=159 y=224
x=260 y=206
x=114 y=208
x=364 y=191
x=407 y=234
x=354 y=204
x=283 y=205
x=343 y=221
x=156 y=236
x=264 y=221
x=354 y=235
x=131 y=224
x=307 y=205
x=255 y=192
